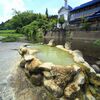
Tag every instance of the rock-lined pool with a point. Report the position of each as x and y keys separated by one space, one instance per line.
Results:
x=53 y=54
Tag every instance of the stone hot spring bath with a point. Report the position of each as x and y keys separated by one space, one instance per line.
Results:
x=52 y=54
x=63 y=73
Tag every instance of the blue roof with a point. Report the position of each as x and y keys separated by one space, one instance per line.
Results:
x=86 y=4
x=96 y=15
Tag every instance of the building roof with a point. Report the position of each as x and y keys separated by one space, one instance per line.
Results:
x=85 y=5
x=67 y=8
x=95 y=15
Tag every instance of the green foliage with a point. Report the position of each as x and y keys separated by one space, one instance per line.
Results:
x=85 y=24
x=7 y=31
x=36 y=29
x=11 y=34
x=61 y=20
x=9 y=39
x=46 y=13
x=97 y=43
x=32 y=25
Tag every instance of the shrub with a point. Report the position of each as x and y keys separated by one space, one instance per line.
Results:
x=96 y=42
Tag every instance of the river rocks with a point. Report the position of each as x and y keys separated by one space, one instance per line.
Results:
x=89 y=67
x=94 y=79
x=75 y=85
x=53 y=88
x=96 y=68
x=33 y=64
x=51 y=43
x=22 y=63
x=37 y=79
x=77 y=52
x=24 y=50
x=67 y=45
x=98 y=63
x=59 y=46
x=46 y=66
x=78 y=57
x=28 y=57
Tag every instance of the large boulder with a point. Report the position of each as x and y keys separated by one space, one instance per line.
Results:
x=59 y=76
x=28 y=57
x=96 y=68
x=31 y=66
x=46 y=66
x=37 y=79
x=98 y=63
x=78 y=53
x=63 y=75
x=67 y=45
x=24 y=50
x=53 y=88
x=51 y=42
x=22 y=63
x=74 y=87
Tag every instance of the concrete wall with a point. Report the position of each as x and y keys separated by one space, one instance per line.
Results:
x=58 y=35
x=84 y=41
x=86 y=35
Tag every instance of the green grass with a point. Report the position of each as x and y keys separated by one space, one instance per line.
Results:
x=11 y=34
x=97 y=42
x=7 y=31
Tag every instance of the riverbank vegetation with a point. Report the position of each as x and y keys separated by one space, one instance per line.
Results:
x=10 y=35
x=30 y=24
x=97 y=43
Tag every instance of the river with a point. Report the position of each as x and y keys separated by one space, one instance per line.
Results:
x=8 y=60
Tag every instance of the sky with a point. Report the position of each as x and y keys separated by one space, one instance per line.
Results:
x=38 y=6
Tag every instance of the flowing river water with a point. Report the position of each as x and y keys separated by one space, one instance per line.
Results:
x=8 y=60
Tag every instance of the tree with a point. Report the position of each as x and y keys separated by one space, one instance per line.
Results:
x=61 y=20
x=46 y=13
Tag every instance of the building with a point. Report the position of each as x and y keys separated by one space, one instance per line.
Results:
x=64 y=12
x=89 y=11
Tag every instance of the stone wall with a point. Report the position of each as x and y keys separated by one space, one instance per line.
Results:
x=84 y=41
x=86 y=35
x=59 y=36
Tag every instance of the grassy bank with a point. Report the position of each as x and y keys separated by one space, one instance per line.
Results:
x=10 y=35
x=7 y=31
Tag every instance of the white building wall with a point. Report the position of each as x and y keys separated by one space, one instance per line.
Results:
x=65 y=13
